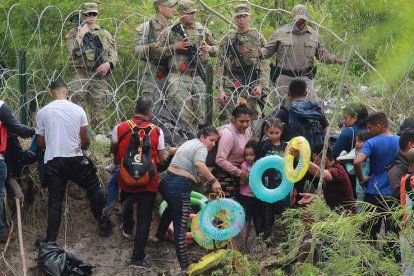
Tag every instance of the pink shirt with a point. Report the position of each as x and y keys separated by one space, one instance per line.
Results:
x=245 y=188
x=227 y=160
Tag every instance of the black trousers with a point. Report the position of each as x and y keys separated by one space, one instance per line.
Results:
x=145 y=204
x=384 y=205
x=58 y=171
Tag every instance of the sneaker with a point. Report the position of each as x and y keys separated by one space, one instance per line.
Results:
x=105 y=228
x=126 y=233
x=141 y=263
x=111 y=168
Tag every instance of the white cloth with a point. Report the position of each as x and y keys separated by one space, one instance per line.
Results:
x=60 y=122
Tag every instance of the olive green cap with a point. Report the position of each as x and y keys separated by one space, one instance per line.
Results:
x=186 y=6
x=241 y=9
x=88 y=7
x=300 y=12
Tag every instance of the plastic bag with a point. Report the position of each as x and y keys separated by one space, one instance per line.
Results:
x=53 y=261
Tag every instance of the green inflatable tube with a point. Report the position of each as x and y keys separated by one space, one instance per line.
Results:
x=196 y=199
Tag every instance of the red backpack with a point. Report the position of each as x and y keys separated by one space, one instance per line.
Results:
x=3 y=138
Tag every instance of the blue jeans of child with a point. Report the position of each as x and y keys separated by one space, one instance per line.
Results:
x=3 y=176
x=176 y=189
x=112 y=190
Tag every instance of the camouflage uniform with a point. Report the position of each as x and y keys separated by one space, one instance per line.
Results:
x=186 y=90
x=153 y=83
x=230 y=71
x=85 y=78
x=296 y=51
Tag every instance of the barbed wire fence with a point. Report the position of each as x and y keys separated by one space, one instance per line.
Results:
x=35 y=55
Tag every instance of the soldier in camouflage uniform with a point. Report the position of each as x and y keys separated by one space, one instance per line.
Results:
x=91 y=67
x=186 y=90
x=153 y=83
x=241 y=71
x=296 y=45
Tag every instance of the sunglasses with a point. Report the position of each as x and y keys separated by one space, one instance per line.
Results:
x=91 y=14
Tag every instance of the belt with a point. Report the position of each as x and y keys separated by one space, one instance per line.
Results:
x=295 y=73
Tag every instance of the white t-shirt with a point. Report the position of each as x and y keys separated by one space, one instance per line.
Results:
x=60 y=122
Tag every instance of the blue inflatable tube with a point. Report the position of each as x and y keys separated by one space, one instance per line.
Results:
x=255 y=180
x=227 y=210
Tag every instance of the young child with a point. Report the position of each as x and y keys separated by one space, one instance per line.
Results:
x=251 y=205
x=347 y=161
x=271 y=144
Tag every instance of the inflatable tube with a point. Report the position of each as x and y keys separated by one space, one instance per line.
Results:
x=201 y=238
x=233 y=221
x=208 y=262
x=170 y=233
x=196 y=199
x=295 y=174
x=255 y=180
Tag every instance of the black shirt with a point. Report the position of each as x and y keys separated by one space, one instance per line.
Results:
x=271 y=178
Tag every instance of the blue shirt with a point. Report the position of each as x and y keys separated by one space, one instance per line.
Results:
x=381 y=151
x=346 y=139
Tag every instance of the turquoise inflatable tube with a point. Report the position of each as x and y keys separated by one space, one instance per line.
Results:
x=196 y=199
x=255 y=180
x=233 y=219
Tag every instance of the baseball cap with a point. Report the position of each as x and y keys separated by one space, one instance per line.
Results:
x=186 y=6
x=88 y=7
x=300 y=12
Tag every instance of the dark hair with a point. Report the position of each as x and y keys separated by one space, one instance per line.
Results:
x=241 y=109
x=271 y=122
x=363 y=135
x=356 y=110
x=58 y=83
x=252 y=144
x=206 y=130
x=297 y=88
x=406 y=124
x=318 y=148
x=378 y=118
x=144 y=105
x=406 y=136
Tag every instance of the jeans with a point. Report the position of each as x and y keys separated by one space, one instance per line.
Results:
x=176 y=190
x=145 y=204
x=81 y=171
x=112 y=190
x=3 y=176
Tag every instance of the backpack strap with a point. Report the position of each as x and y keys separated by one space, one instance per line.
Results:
x=132 y=126
x=234 y=135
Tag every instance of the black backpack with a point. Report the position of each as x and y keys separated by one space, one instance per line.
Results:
x=305 y=120
x=137 y=165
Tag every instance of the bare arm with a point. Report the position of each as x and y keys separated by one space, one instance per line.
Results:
x=203 y=169
x=40 y=140
x=84 y=137
x=359 y=159
x=316 y=171
x=160 y=156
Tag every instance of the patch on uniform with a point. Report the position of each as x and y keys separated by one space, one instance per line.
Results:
x=244 y=50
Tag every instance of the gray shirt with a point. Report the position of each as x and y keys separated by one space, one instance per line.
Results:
x=188 y=153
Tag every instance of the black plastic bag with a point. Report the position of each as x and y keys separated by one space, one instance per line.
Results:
x=54 y=261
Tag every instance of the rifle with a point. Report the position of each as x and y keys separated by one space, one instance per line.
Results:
x=151 y=35
x=249 y=74
x=90 y=41
x=193 y=53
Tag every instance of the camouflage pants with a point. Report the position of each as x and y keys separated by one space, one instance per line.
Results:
x=186 y=98
x=90 y=87
x=282 y=88
x=233 y=97
x=153 y=86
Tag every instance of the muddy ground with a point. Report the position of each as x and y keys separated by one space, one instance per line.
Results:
x=78 y=234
